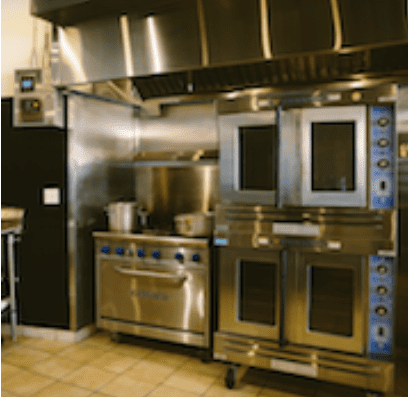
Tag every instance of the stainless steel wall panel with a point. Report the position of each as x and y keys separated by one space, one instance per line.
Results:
x=301 y=26
x=167 y=41
x=233 y=31
x=101 y=141
x=184 y=127
x=92 y=51
x=384 y=22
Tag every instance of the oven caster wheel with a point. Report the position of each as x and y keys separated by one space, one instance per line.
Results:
x=373 y=394
x=231 y=377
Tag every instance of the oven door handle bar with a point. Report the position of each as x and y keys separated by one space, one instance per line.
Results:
x=143 y=273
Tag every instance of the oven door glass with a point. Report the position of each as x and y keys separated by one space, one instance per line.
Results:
x=249 y=157
x=249 y=292
x=331 y=304
x=257 y=158
x=333 y=143
x=334 y=151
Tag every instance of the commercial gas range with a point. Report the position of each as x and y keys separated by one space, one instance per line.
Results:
x=153 y=286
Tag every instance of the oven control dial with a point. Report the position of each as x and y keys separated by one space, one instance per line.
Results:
x=141 y=253
x=382 y=290
x=381 y=310
x=383 y=142
x=383 y=121
x=196 y=258
x=179 y=256
x=156 y=254
x=383 y=163
x=105 y=249
x=382 y=269
x=120 y=250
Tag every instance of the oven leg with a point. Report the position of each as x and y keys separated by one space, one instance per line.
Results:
x=115 y=337
x=234 y=375
x=206 y=356
x=373 y=394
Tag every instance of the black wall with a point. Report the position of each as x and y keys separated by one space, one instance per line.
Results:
x=34 y=158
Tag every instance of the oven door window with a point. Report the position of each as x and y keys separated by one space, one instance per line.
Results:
x=258 y=153
x=331 y=300
x=257 y=292
x=333 y=156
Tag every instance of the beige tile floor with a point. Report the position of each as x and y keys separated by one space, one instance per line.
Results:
x=98 y=367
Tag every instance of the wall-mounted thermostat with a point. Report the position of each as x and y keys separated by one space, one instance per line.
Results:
x=36 y=102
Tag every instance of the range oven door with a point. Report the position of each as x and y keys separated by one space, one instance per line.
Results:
x=249 y=157
x=249 y=292
x=334 y=156
x=330 y=302
x=166 y=295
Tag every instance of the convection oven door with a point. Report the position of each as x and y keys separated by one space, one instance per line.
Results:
x=249 y=157
x=249 y=297
x=165 y=295
x=330 y=301
x=334 y=157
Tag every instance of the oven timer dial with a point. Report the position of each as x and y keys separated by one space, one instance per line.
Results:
x=382 y=290
x=382 y=269
x=156 y=254
x=383 y=163
x=381 y=310
x=383 y=142
x=383 y=121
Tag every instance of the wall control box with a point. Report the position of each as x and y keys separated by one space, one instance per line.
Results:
x=36 y=102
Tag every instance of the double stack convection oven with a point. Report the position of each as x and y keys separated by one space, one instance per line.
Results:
x=306 y=235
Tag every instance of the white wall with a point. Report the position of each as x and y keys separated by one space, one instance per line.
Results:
x=17 y=27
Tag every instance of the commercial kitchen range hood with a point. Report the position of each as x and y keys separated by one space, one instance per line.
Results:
x=167 y=48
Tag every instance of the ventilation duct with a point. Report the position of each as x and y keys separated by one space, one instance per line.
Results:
x=183 y=47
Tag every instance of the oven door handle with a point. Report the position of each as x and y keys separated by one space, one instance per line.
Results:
x=144 y=273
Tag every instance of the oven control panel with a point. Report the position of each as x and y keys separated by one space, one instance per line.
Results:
x=382 y=157
x=381 y=298
x=150 y=252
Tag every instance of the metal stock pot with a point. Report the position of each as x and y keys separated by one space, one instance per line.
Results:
x=196 y=224
x=122 y=216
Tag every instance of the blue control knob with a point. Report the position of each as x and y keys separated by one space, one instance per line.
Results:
x=120 y=250
x=156 y=254
x=196 y=258
x=179 y=256
x=141 y=253
x=105 y=249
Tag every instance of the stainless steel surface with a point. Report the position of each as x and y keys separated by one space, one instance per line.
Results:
x=169 y=335
x=165 y=42
x=153 y=286
x=352 y=370
x=186 y=127
x=170 y=36
x=321 y=255
x=122 y=216
x=198 y=224
x=347 y=231
x=165 y=191
x=101 y=141
x=230 y=157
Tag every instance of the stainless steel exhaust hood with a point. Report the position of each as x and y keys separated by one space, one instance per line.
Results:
x=185 y=47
